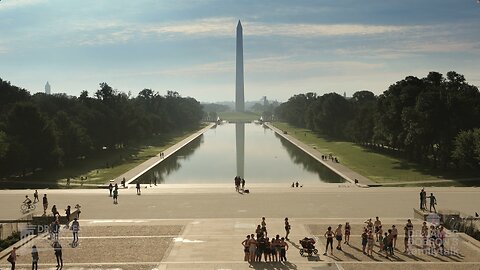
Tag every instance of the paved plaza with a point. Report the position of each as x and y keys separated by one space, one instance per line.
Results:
x=202 y=227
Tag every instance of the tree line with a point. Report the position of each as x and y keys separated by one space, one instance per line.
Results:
x=49 y=131
x=432 y=120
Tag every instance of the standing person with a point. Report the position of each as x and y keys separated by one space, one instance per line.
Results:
x=409 y=227
x=422 y=198
x=110 y=189
x=237 y=183
x=245 y=248
x=56 y=229
x=274 y=247
x=12 y=258
x=34 y=258
x=380 y=238
x=406 y=240
x=267 y=252
x=369 y=224
x=55 y=211
x=441 y=240
x=264 y=226
x=45 y=204
x=424 y=235
x=67 y=215
x=394 y=236
x=433 y=202
x=252 y=248
x=283 y=250
x=338 y=236
x=377 y=225
x=370 y=243
x=35 y=196
x=364 y=240
x=329 y=235
x=287 y=228
x=115 y=196
x=58 y=253
x=75 y=228
x=243 y=184
x=139 y=192
x=347 y=233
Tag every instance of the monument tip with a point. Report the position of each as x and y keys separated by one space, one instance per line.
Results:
x=239 y=23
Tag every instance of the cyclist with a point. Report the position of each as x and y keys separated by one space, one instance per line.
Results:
x=27 y=201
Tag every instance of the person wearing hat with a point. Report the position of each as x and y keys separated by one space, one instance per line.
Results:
x=75 y=228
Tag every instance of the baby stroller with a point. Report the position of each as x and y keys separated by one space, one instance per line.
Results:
x=308 y=246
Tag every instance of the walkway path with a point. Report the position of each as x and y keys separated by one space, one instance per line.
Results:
x=132 y=174
x=338 y=168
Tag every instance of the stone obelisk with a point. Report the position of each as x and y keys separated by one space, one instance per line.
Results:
x=239 y=97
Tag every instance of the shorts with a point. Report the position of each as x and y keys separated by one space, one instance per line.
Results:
x=245 y=250
x=252 y=249
x=338 y=237
x=364 y=242
x=394 y=237
x=377 y=229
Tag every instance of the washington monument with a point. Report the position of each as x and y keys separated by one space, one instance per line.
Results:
x=239 y=97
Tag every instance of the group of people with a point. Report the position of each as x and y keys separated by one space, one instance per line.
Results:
x=330 y=157
x=258 y=244
x=423 y=201
x=433 y=238
x=239 y=183
x=57 y=249
x=113 y=191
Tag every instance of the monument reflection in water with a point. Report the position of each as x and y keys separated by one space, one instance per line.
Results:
x=249 y=150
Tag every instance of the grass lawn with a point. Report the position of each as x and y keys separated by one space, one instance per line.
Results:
x=99 y=169
x=376 y=166
x=238 y=116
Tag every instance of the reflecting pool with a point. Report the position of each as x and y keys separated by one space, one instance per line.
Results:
x=249 y=150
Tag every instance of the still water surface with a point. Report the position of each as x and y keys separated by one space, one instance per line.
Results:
x=249 y=150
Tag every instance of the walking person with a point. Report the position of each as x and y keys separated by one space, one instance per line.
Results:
x=139 y=192
x=424 y=236
x=287 y=228
x=347 y=233
x=35 y=196
x=406 y=241
x=45 y=204
x=338 y=236
x=75 y=228
x=34 y=258
x=409 y=227
x=380 y=238
x=58 y=253
x=12 y=258
x=243 y=184
x=329 y=236
x=433 y=202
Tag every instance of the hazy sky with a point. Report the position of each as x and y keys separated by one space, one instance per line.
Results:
x=188 y=46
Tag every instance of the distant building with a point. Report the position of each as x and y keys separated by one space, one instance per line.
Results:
x=47 y=88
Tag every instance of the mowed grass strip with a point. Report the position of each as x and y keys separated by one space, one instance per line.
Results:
x=378 y=167
x=101 y=168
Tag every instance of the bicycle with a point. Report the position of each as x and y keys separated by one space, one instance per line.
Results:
x=26 y=207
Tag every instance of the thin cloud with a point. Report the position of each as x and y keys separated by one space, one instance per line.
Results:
x=12 y=4
x=107 y=32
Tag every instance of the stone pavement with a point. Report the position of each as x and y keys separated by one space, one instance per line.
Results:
x=216 y=244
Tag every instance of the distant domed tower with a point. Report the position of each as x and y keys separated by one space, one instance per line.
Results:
x=47 y=88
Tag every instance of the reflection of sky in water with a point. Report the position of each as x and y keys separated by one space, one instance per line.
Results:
x=212 y=159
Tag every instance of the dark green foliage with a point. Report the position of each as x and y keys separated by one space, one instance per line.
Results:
x=429 y=120
x=47 y=131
